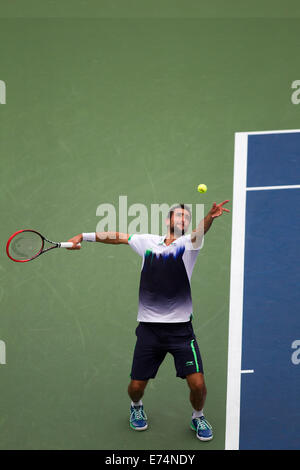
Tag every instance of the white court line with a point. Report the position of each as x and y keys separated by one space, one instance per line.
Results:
x=264 y=188
x=234 y=371
x=287 y=131
x=232 y=435
x=248 y=371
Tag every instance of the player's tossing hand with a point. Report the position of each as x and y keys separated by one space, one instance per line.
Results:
x=218 y=209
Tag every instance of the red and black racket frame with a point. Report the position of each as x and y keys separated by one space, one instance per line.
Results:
x=43 y=239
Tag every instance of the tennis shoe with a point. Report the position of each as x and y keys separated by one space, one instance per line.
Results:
x=203 y=429
x=138 y=418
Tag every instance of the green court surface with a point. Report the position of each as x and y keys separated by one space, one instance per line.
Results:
x=97 y=108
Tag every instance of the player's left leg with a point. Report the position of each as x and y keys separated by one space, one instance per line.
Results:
x=198 y=393
x=198 y=390
x=182 y=344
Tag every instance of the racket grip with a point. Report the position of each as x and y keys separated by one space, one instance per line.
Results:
x=68 y=244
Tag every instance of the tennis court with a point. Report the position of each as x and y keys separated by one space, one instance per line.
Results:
x=262 y=377
x=147 y=102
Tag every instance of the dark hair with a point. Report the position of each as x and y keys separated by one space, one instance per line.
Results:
x=178 y=206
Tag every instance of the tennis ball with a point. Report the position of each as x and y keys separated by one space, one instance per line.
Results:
x=202 y=188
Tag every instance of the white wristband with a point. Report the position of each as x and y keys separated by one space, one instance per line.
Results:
x=89 y=237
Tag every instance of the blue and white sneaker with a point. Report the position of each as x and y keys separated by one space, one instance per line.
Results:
x=203 y=429
x=138 y=418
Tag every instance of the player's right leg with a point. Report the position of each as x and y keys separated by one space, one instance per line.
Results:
x=136 y=389
x=138 y=417
x=147 y=358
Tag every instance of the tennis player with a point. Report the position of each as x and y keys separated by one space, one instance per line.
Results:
x=165 y=309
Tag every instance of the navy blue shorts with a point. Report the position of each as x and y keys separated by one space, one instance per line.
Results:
x=155 y=340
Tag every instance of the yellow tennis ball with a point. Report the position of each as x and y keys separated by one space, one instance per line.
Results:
x=202 y=188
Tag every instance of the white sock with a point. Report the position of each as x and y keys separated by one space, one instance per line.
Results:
x=197 y=414
x=136 y=403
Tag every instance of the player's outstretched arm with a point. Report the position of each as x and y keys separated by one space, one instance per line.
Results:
x=218 y=209
x=114 y=238
x=205 y=224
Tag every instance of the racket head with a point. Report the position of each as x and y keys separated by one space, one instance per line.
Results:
x=24 y=245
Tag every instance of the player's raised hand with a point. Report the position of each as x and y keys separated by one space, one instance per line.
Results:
x=218 y=209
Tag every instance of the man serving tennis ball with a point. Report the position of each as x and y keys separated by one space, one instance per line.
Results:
x=165 y=309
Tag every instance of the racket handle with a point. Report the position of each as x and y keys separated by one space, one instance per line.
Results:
x=68 y=244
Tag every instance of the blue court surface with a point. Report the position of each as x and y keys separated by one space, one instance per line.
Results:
x=263 y=406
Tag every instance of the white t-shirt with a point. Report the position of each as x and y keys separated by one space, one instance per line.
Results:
x=165 y=291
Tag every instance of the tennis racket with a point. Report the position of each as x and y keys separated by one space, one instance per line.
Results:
x=26 y=245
